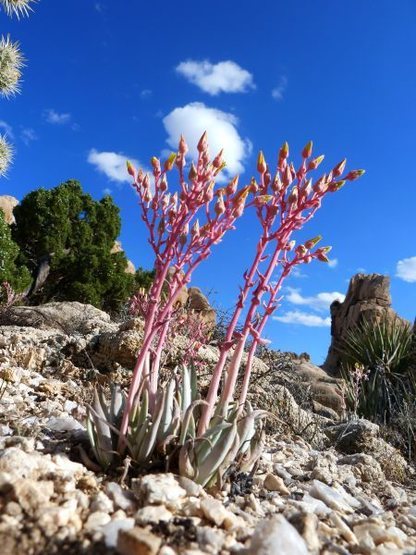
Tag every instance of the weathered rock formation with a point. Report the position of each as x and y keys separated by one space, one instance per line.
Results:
x=7 y=204
x=117 y=247
x=368 y=299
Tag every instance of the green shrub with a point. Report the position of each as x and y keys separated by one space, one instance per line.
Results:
x=18 y=277
x=74 y=235
x=376 y=367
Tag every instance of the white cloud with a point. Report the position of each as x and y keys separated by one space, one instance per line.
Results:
x=56 y=118
x=107 y=191
x=111 y=164
x=297 y=273
x=320 y=302
x=279 y=90
x=8 y=129
x=28 y=135
x=406 y=269
x=213 y=79
x=304 y=319
x=195 y=118
x=333 y=263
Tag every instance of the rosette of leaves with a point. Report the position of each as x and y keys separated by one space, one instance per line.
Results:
x=166 y=434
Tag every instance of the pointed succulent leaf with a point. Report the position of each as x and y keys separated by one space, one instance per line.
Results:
x=213 y=461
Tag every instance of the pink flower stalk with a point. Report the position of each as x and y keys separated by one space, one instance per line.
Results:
x=284 y=203
x=183 y=226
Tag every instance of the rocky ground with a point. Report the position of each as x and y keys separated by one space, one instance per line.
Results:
x=323 y=485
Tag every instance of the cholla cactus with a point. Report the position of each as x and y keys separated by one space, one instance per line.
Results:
x=6 y=155
x=11 y=63
x=17 y=7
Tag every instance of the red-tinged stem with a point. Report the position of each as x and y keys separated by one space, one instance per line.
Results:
x=234 y=367
x=254 y=345
x=155 y=366
x=226 y=346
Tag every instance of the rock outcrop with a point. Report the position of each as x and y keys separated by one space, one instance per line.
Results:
x=130 y=268
x=368 y=299
x=7 y=204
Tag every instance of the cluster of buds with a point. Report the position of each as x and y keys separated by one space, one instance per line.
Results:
x=284 y=202
x=183 y=226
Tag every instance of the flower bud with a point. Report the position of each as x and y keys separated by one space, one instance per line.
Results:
x=290 y=245
x=163 y=184
x=254 y=187
x=287 y=177
x=183 y=147
x=232 y=186
x=261 y=200
x=261 y=163
x=202 y=144
x=155 y=164
x=354 y=174
x=307 y=188
x=336 y=185
x=180 y=161
x=219 y=206
x=313 y=164
x=130 y=169
x=147 y=197
x=277 y=185
x=293 y=196
x=300 y=250
x=307 y=151
x=307 y=259
x=321 y=253
x=312 y=242
x=166 y=200
x=320 y=186
x=283 y=154
x=339 y=168
x=209 y=192
x=218 y=161
x=170 y=161
x=146 y=181
x=193 y=174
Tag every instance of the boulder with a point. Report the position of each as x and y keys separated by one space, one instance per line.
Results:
x=67 y=317
x=368 y=299
x=197 y=301
x=7 y=204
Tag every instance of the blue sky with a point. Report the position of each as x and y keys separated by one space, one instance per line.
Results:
x=107 y=80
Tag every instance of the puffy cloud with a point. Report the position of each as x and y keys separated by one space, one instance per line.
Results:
x=303 y=319
x=28 y=135
x=213 y=79
x=111 y=164
x=320 y=302
x=195 y=118
x=279 y=90
x=56 y=118
x=406 y=269
x=333 y=263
